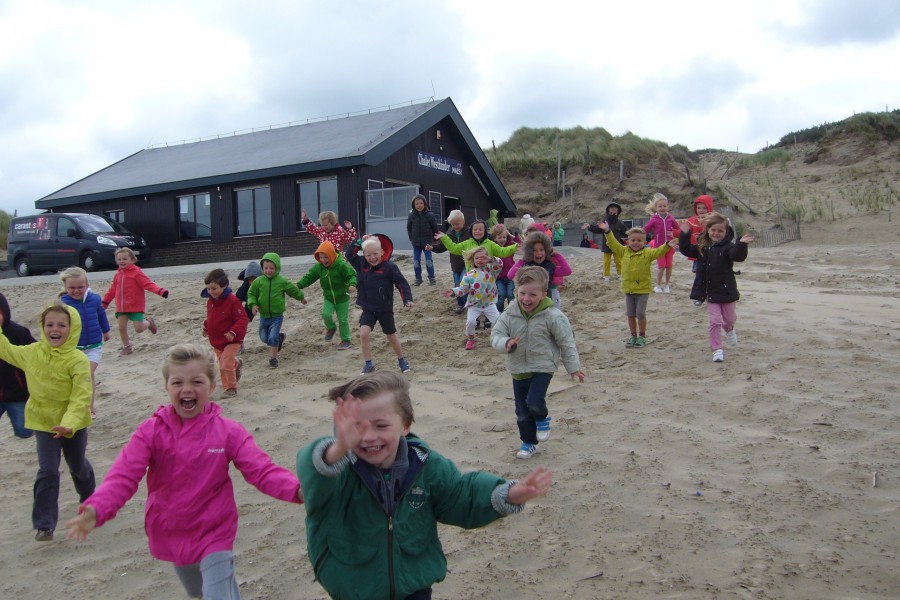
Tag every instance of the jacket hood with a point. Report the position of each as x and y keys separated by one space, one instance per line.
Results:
x=271 y=257
x=705 y=200
x=253 y=270
x=412 y=204
x=71 y=342
x=386 y=244
x=7 y=314
x=611 y=205
x=326 y=248
x=205 y=294
x=494 y=214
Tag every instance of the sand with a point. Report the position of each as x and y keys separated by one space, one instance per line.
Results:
x=675 y=477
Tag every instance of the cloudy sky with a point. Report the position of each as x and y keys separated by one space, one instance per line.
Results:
x=84 y=84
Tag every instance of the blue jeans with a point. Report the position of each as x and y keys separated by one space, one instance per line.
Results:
x=45 y=511
x=531 y=404
x=212 y=577
x=16 y=413
x=457 y=279
x=417 y=263
x=269 y=328
x=506 y=290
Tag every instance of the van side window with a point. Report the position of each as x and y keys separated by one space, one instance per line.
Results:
x=66 y=228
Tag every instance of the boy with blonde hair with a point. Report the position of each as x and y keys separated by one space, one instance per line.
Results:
x=546 y=337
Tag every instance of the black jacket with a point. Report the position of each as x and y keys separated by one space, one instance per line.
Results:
x=13 y=387
x=617 y=227
x=375 y=285
x=714 y=280
x=421 y=226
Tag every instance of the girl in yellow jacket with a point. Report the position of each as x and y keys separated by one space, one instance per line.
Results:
x=59 y=410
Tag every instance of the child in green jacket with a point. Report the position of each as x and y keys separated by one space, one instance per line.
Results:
x=338 y=280
x=266 y=298
x=375 y=493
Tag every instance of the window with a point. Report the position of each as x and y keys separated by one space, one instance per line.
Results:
x=193 y=217
x=254 y=211
x=435 y=204
x=65 y=227
x=390 y=203
x=316 y=197
x=117 y=215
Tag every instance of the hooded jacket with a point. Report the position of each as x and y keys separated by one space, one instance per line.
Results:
x=335 y=279
x=557 y=232
x=190 y=510
x=421 y=226
x=368 y=538
x=636 y=275
x=714 y=281
x=694 y=222
x=492 y=219
x=13 y=386
x=127 y=290
x=251 y=270
x=375 y=290
x=545 y=337
x=93 y=318
x=268 y=292
x=617 y=227
x=59 y=380
x=662 y=230
x=480 y=284
x=224 y=314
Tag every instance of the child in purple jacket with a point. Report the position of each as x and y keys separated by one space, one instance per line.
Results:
x=185 y=449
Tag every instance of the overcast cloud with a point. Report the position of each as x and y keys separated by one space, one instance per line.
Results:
x=83 y=85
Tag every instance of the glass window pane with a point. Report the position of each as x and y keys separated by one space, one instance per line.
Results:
x=375 y=203
x=244 y=212
x=203 y=210
x=309 y=201
x=328 y=195
x=263 y=206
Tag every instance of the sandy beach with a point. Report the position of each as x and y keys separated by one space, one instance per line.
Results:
x=675 y=477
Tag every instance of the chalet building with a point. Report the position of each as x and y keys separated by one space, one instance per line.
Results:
x=235 y=197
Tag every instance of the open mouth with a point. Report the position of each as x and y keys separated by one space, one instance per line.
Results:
x=188 y=403
x=371 y=449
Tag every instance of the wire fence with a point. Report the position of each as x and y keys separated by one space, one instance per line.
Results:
x=769 y=238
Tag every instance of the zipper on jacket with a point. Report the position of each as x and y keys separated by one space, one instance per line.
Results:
x=391 y=554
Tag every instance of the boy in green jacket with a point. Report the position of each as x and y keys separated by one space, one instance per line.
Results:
x=374 y=494
x=636 y=278
x=338 y=280
x=266 y=299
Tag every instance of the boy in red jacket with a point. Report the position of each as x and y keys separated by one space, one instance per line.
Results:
x=127 y=289
x=225 y=326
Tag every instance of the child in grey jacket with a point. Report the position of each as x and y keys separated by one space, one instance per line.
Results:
x=545 y=335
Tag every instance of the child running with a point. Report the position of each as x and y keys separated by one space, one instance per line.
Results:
x=94 y=324
x=534 y=335
x=377 y=277
x=225 y=326
x=480 y=287
x=663 y=228
x=716 y=253
x=539 y=252
x=127 y=289
x=58 y=410
x=338 y=281
x=505 y=288
x=618 y=228
x=266 y=298
x=247 y=277
x=329 y=230
x=375 y=493
x=457 y=234
x=13 y=387
x=636 y=278
x=421 y=225
x=185 y=449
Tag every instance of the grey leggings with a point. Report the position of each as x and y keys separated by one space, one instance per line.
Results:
x=212 y=578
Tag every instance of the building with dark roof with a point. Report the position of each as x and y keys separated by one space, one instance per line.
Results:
x=235 y=197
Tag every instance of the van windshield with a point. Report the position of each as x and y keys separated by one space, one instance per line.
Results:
x=98 y=224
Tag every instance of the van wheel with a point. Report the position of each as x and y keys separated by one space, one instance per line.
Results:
x=89 y=261
x=23 y=269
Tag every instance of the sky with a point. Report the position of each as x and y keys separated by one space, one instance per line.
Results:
x=85 y=84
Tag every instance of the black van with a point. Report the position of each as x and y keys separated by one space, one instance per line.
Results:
x=54 y=241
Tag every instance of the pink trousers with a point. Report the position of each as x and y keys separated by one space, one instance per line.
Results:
x=722 y=317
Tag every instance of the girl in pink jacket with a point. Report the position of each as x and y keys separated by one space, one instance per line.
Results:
x=127 y=289
x=664 y=228
x=185 y=449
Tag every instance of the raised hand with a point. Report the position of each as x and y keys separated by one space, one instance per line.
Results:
x=535 y=484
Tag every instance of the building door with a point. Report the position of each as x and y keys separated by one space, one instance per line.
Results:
x=387 y=211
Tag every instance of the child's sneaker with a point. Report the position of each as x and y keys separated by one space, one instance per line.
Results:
x=731 y=337
x=470 y=344
x=432 y=281
x=229 y=393
x=606 y=278
x=667 y=289
x=698 y=302
x=417 y=282
x=126 y=350
x=640 y=342
x=543 y=430
x=527 y=450
x=459 y=309
x=487 y=324
x=281 y=337
x=718 y=355
x=404 y=365
x=44 y=535
x=238 y=369
x=329 y=334
x=631 y=342
x=273 y=363
x=344 y=345
x=657 y=289
x=368 y=369
x=151 y=325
